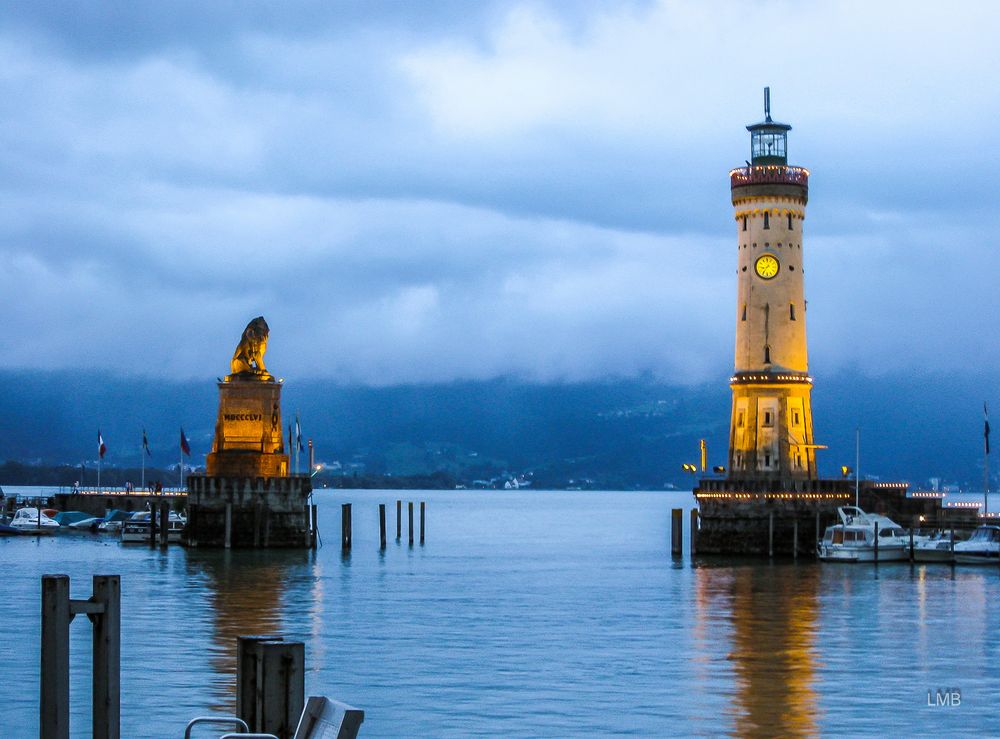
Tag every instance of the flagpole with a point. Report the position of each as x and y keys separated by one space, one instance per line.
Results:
x=142 y=456
x=182 y=467
x=298 y=442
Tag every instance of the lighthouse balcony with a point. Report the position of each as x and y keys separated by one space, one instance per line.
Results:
x=769 y=174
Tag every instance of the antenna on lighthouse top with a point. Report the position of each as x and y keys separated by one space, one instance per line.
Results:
x=767 y=104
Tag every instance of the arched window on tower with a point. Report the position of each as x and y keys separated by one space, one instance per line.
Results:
x=791 y=311
x=789 y=221
x=744 y=312
x=767 y=220
x=767 y=353
x=744 y=223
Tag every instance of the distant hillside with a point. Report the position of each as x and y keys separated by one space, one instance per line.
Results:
x=613 y=434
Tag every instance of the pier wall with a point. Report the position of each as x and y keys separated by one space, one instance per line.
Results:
x=262 y=511
x=758 y=517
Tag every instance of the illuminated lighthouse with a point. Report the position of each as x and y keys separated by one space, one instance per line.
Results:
x=771 y=433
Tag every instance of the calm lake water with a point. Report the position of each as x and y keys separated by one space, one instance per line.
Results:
x=529 y=614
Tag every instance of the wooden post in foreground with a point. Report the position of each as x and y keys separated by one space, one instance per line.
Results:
x=770 y=534
x=694 y=531
x=676 y=533
x=409 y=507
x=875 y=558
x=229 y=524
x=421 y=522
x=399 y=520
x=381 y=525
x=54 y=707
x=795 y=538
x=107 y=656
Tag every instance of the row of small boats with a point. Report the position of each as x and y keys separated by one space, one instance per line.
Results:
x=130 y=527
x=867 y=537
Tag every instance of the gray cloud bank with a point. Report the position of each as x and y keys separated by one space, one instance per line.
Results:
x=421 y=192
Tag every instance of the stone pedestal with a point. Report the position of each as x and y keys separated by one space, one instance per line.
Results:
x=248 y=434
x=247 y=498
x=263 y=512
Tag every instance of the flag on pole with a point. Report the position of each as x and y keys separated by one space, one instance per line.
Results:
x=185 y=447
x=298 y=433
x=986 y=428
x=101 y=448
x=145 y=444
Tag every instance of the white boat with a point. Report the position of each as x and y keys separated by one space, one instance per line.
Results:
x=936 y=548
x=853 y=539
x=983 y=547
x=33 y=521
x=136 y=529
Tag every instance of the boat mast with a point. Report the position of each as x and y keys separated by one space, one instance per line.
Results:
x=857 y=466
x=986 y=459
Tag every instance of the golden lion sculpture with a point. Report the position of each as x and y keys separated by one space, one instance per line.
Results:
x=249 y=355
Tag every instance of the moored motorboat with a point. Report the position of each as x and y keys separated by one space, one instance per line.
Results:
x=854 y=538
x=983 y=547
x=33 y=521
x=935 y=548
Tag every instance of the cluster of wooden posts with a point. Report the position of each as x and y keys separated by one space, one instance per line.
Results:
x=677 y=531
x=103 y=609
x=270 y=675
x=159 y=522
x=346 y=523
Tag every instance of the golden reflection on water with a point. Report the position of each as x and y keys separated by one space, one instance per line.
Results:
x=772 y=650
x=247 y=594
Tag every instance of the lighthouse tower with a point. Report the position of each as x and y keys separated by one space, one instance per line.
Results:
x=771 y=434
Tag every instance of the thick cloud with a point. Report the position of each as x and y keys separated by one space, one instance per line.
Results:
x=421 y=192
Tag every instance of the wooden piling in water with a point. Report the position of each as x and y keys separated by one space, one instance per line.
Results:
x=770 y=534
x=409 y=506
x=911 y=543
x=399 y=520
x=694 y=531
x=421 y=522
x=314 y=532
x=818 y=536
x=875 y=556
x=152 y=525
x=345 y=526
x=229 y=524
x=676 y=531
x=164 y=524
x=795 y=538
x=381 y=525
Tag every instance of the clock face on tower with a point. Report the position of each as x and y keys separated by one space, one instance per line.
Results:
x=766 y=266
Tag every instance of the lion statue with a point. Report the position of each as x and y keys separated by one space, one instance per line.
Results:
x=249 y=355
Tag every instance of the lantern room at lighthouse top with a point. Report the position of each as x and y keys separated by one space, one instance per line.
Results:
x=768 y=139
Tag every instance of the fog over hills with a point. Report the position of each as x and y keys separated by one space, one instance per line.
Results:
x=612 y=433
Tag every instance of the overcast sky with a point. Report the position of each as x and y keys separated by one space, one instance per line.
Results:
x=421 y=191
